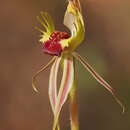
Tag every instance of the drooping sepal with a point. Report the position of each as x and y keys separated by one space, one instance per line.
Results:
x=34 y=80
x=98 y=78
x=65 y=87
x=53 y=83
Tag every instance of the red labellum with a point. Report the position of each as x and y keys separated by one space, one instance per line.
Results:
x=53 y=46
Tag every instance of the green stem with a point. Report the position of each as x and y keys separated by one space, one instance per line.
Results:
x=74 y=108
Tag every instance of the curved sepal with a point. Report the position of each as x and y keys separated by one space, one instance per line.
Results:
x=74 y=21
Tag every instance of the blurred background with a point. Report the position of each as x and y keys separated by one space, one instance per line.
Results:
x=106 y=47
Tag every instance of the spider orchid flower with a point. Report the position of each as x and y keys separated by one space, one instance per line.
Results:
x=61 y=46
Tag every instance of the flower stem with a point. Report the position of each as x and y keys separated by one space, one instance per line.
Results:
x=74 y=107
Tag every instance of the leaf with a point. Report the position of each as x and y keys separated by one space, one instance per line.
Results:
x=99 y=78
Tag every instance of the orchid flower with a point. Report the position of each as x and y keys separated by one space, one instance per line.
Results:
x=62 y=45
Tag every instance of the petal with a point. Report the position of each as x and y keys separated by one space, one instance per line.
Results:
x=99 y=79
x=69 y=20
x=53 y=83
x=38 y=72
x=65 y=87
x=71 y=14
